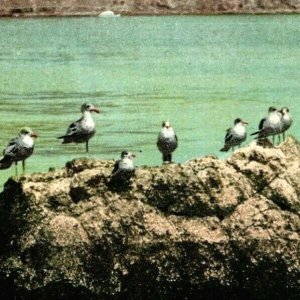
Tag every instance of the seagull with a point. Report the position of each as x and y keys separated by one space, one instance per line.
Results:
x=124 y=168
x=271 y=125
x=83 y=129
x=18 y=149
x=235 y=135
x=167 y=142
x=286 y=120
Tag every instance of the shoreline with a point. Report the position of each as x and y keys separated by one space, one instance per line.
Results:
x=85 y=8
x=145 y=14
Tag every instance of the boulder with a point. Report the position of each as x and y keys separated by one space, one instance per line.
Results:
x=205 y=229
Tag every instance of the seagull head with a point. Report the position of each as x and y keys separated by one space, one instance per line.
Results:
x=240 y=121
x=284 y=110
x=272 y=109
x=127 y=154
x=26 y=131
x=89 y=107
x=166 y=124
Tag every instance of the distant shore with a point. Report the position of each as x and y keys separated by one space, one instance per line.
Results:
x=85 y=8
x=93 y=14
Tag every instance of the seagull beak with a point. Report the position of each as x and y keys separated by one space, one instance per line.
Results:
x=34 y=135
x=96 y=110
x=133 y=155
x=244 y=122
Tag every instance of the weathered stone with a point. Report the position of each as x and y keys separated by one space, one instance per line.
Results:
x=144 y=7
x=205 y=229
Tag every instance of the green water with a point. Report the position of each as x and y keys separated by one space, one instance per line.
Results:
x=198 y=72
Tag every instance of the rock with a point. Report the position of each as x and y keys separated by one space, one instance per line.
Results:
x=19 y=8
x=108 y=13
x=205 y=229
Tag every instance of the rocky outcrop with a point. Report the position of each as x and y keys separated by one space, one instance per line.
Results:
x=144 y=7
x=205 y=229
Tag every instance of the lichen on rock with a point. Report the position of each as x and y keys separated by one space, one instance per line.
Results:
x=204 y=229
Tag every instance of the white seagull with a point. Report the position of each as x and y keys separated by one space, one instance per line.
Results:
x=271 y=125
x=167 y=142
x=286 y=120
x=124 y=168
x=83 y=129
x=235 y=135
x=18 y=149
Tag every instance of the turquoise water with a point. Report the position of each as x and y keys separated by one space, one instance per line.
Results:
x=198 y=72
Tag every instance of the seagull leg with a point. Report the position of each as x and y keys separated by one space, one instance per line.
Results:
x=16 y=168
x=23 y=166
x=87 y=146
x=273 y=139
x=283 y=136
x=279 y=138
x=165 y=158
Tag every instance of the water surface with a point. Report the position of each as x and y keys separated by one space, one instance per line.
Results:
x=198 y=72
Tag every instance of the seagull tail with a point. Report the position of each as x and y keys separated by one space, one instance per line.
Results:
x=61 y=137
x=225 y=148
x=5 y=162
x=256 y=132
x=66 y=139
x=260 y=137
x=114 y=174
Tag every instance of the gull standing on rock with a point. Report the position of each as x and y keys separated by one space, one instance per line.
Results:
x=124 y=168
x=18 y=149
x=235 y=135
x=83 y=129
x=286 y=121
x=271 y=125
x=167 y=142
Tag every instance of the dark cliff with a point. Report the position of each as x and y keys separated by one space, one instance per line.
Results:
x=206 y=229
x=144 y=7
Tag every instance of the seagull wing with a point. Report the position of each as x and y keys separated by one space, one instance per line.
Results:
x=116 y=168
x=12 y=148
x=228 y=135
x=260 y=127
x=74 y=129
x=228 y=138
x=261 y=123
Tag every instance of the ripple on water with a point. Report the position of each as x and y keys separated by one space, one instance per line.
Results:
x=198 y=72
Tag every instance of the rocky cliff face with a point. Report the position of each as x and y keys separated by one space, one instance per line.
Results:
x=144 y=7
x=206 y=229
